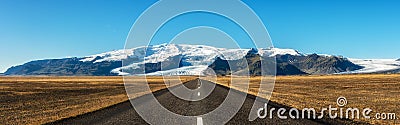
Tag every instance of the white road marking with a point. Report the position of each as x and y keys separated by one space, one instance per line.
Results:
x=198 y=84
x=199 y=121
x=198 y=93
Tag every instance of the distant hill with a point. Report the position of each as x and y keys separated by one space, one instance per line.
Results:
x=289 y=65
x=65 y=67
x=253 y=59
x=316 y=64
x=181 y=59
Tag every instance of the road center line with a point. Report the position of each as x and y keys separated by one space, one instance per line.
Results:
x=199 y=121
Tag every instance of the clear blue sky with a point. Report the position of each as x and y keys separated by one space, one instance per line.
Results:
x=39 y=29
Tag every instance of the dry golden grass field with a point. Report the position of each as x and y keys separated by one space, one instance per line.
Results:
x=37 y=100
x=380 y=92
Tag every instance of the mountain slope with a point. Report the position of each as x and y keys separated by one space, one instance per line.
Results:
x=253 y=66
x=289 y=64
x=65 y=67
x=316 y=64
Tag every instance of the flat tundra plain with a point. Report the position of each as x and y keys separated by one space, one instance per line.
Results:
x=43 y=99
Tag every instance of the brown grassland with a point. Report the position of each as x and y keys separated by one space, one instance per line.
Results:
x=380 y=92
x=37 y=100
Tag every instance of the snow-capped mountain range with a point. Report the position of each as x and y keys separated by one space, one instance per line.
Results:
x=194 y=60
x=158 y=53
x=199 y=57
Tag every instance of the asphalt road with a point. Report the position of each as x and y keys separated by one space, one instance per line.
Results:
x=124 y=113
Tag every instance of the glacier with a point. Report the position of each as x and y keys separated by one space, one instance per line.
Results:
x=199 y=56
x=374 y=65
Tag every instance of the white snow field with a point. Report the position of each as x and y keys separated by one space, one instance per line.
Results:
x=199 y=56
x=374 y=65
